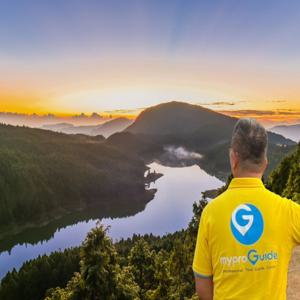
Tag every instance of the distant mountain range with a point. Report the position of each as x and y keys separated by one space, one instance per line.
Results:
x=289 y=131
x=106 y=129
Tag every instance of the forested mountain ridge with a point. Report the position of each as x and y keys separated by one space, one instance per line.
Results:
x=44 y=174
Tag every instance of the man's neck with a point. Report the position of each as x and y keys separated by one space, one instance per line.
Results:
x=248 y=175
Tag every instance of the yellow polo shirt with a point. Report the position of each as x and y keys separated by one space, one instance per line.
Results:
x=245 y=239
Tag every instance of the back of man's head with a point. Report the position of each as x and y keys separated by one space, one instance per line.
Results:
x=249 y=142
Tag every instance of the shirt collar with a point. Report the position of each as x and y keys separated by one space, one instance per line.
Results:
x=246 y=182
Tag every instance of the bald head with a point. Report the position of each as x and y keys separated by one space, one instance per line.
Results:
x=249 y=145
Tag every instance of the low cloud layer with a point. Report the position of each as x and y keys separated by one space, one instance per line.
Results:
x=217 y=103
x=181 y=153
x=269 y=118
x=247 y=112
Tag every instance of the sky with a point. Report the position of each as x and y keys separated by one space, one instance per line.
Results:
x=71 y=56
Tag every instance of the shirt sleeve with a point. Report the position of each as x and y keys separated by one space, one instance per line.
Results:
x=295 y=221
x=202 y=265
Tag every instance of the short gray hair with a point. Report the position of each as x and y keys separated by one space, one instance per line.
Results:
x=250 y=141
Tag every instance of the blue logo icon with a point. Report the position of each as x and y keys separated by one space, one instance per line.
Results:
x=247 y=224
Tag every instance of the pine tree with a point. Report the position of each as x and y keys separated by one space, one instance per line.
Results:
x=162 y=278
x=142 y=262
x=100 y=277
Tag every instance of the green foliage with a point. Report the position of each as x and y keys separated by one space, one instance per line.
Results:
x=141 y=259
x=285 y=179
x=139 y=268
x=36 y=276
x=100 y=276
x=98 y=264
x=45 y=174
x=162 y=281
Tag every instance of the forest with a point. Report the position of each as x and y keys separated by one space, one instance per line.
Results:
x=142 y=267
x=45 y=175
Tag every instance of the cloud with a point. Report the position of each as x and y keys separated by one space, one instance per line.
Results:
x=247 y=112
x=93 y=116
x=181 y=153
x=278 y=101
x=80 y=116
x=269 y=118
x=253 y=112
x=217 y=103
x=124 y=111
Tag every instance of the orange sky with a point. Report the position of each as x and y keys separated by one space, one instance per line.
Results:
x=97 y=56
x=67 y=92
x=73 y=86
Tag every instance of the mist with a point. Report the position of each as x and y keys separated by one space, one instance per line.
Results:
x=182 y=153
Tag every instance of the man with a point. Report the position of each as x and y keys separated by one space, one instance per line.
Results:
x=246 y=235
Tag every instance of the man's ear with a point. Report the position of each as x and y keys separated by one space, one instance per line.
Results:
x=266 y=163
x=230 y=154
x=233 y=159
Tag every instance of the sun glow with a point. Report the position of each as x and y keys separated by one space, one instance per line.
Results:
x=99 y=60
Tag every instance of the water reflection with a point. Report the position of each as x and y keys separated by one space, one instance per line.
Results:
x=170 y=210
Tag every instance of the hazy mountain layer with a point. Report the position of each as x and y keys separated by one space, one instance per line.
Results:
x=289 y=131
x=106 y=129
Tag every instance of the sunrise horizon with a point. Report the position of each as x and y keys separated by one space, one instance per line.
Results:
x=69 y=58
x=268 y=117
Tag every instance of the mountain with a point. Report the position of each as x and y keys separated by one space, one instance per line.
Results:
x=180 y=121
x=178 y=118
x=69 y=128
x=111 y=127
x=106 y=129
x=59 y=127
x=197 y=129
x=289 y=131
x=44 y=175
